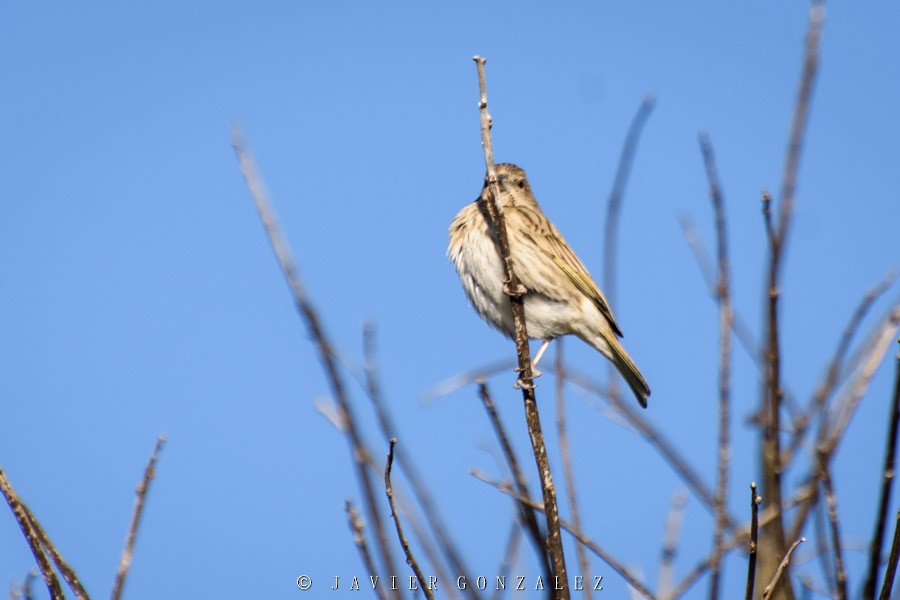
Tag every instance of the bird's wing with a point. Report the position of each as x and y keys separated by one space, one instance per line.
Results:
x=555 y=248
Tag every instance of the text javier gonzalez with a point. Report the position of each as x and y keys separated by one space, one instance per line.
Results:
x=499 y=583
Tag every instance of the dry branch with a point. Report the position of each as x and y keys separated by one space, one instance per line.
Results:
x=415 y=479
x=590 y=544
x=890 y=452
x=891 y=570
x=565 y=455
x=26 y=523
x=359 y=453
x=140 y=496
x=515 y=292
x=754 y=533
x=410 y=558
x=725 y=324
x=526 y=513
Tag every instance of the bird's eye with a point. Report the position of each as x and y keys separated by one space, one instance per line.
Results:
x=521 y=184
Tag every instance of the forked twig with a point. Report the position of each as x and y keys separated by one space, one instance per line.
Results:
x=140 y=496
x=515 y=292
x=830 y=383
x=410 y=559
x=773 y=536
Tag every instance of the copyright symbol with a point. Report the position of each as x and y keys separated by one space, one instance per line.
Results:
x=304 y=582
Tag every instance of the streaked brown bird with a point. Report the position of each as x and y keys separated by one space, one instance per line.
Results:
x=560 y=296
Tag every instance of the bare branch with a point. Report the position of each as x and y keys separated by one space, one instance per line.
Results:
x=754 y=534
x=526 y=514
x=358 y=451
x=509 y=556
x=24 y=518
x=526 y=377
x=890 y=451
x=655 y=438
x=404 y=459
x=140 y=496
x=891 y=570
x=725 y=324
x=410 y=559
x=840 y=576
x=613 y=209
x=670 y=545
x=562 y=432
x=359 y=539
x=832 y=378
x=614 y=564
x=767 y=592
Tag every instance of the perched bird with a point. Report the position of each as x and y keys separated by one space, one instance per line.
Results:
x=560 y=296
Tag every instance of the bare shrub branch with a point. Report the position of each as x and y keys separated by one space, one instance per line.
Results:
x=514 y=290
x=140 y=496
x=359 y=453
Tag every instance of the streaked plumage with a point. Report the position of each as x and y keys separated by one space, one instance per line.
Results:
x=561 y=298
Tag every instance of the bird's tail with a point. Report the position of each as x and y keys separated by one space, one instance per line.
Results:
x=630 y=372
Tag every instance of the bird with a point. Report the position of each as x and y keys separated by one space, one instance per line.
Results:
x=560 y=297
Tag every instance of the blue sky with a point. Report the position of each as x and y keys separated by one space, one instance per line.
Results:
x=140 y=295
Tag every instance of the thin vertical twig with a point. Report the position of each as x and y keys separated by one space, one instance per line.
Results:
x=359 y=453
x=404 y=459
x=515 y=291
x=425 y=585
x=725 y=323
x=613 y=210
x=138 y=512
x=526 y=514
x=754 y=536
x=891 y=570
x=509 y=555
x=670 y=545
x=359 y=540
x=565 y=455
x=840 y=575
x=887 y=477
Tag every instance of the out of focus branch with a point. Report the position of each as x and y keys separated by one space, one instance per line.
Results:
x=890 y=452
x=725 y=323
x=358 y=451
x=613 y=209
x=614 y=564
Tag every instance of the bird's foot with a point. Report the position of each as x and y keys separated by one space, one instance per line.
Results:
x=515 y=292
x=521 y=384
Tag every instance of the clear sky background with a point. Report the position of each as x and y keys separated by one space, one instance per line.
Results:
x=139 y=295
